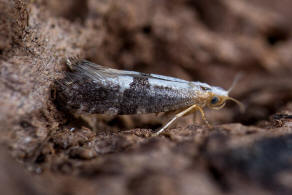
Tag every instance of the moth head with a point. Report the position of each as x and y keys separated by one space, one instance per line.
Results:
x=217 y=100
x=217 y=97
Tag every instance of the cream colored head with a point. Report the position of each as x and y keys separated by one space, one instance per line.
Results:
x=217 y=97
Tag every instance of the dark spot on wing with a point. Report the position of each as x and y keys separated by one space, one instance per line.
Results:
x=135 y=95
x=162 y=87
x=141 y=82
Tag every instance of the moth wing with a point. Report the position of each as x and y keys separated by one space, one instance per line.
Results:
x=99 y=72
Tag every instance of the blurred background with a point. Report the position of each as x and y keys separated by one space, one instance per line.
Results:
x=210 y=41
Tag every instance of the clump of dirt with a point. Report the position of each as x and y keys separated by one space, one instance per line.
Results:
x=209 y=41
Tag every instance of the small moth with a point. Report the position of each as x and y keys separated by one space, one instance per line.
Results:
x=95 y=89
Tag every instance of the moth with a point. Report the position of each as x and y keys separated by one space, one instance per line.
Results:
x=91 y=88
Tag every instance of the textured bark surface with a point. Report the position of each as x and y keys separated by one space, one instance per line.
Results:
x=48 y=151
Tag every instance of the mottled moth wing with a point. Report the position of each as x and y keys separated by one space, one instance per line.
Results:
x=92 y=88
x=96 y=72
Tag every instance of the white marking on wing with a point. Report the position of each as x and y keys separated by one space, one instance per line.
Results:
x=169 y=84
x=124 y=82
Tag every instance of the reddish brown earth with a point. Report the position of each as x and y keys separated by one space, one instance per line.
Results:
x=46 y=151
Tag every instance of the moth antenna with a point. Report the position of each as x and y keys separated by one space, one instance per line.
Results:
x=235 y=81
x=241 y=106
x=220 y=107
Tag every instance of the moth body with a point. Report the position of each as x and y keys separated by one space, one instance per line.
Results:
x=95 y=89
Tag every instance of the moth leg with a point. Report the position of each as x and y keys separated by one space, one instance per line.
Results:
x=184 y=112
x=202 y=114
x=204 y=117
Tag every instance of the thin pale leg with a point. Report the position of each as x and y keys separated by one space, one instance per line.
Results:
x=184 y=112
x=204 y=117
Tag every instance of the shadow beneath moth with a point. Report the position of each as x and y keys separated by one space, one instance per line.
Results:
x=94 y=89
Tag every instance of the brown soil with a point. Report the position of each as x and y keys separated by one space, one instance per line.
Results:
x=47 y=151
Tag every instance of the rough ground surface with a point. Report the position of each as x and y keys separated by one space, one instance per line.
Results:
x=45 y=151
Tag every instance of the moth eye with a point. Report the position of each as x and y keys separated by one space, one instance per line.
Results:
x=214 y=100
